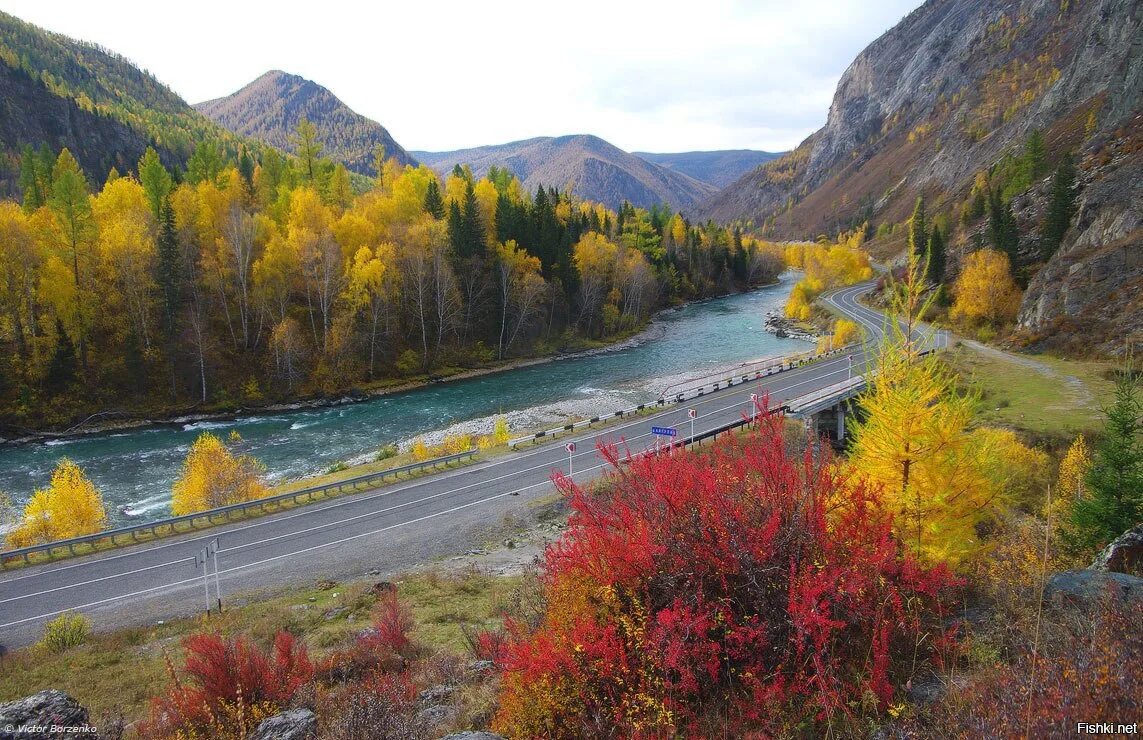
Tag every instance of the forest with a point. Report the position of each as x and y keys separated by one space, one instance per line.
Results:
x=254 y=277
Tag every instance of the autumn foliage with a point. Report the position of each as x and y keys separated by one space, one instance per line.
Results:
x=70 y=506
x=214 y=476
x=227 y=686
x=985 y=291
x=745 y=589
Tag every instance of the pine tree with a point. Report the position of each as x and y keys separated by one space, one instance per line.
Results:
x=246 y=169
x=62 y=370
x=1061 y=207
x=456 y=229
x=1002 y=232
x=1114 y=500
x=936 y=272
x=168 y=267
x=434 y=203
x=473 y=229
x=155 y=179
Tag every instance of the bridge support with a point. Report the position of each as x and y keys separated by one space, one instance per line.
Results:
x=830 y=421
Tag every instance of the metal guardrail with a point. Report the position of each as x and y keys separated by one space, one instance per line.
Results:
x=225 y=511
x=726 y=380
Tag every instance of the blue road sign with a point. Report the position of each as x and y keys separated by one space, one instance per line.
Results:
x=663 y=431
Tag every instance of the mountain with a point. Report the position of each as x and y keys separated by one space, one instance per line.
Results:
x=718 y=168
x=270 y=108
x=956 y=89
x=68 y=93
x=588 y=166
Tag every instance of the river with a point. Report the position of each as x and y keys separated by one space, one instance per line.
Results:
x=135 y=468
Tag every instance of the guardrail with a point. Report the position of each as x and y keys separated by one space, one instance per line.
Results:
x=726 y=380
x=226 y=511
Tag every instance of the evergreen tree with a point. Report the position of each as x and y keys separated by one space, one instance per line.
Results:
x=45 y=168
x=918 y=230
x=29 y=181
x=168 y=267
x=434 y=203
x=473 y=229
x=1061 y=207
x=308 y=149
x=455 y=229
x=61 y=371
x=1002 y=232
x=1035 y=156
x=155 y=179
x=246 y=169
x=1114 y=481
x=936 y=273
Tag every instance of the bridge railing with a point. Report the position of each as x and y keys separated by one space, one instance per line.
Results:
x=226 y=512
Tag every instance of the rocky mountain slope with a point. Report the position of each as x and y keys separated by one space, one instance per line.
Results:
x=270 y=107
x=948 y=93
x=586 y=165
x=719 y=168
x=68 y=93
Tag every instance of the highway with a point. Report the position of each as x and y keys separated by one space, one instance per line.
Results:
x=386 y=530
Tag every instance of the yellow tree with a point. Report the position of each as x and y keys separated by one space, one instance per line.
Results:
x=595 y=259
x=20 y=262
x=521 y=289
x=214 y=476
x=370 y=285
x=1073 y=470
x=70 y=506
x=915 y=441
x=985 y=291
x=127 y=253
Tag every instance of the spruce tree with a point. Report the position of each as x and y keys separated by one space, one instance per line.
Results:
x=61 y=371
x=1061 y=207
x=246 y=170
x=168 y=267
x=1114 y=481
x=455 y=229
x=473 y=226
x=918 y=230
x=29 y=181
x=936 y=273
x=434 y=203
x=1002 y=232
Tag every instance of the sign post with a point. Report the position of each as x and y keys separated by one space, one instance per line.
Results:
x=570 y=447
x=213 y=547
x=691 y=414
x=753 y=407
x=662 y=432
x=849 y=375
x=201 y=559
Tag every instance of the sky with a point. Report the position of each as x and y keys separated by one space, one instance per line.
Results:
x=647 y=76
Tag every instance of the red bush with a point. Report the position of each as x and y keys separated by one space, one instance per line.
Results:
x=741 y=588
x=383 y=646
x=228 y=681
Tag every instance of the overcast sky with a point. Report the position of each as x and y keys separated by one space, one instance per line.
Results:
x=647 y=76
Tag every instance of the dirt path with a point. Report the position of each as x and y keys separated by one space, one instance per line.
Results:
x=1076 y=387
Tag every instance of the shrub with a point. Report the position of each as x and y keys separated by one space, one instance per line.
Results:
x=744 y=589
x=387 y=451
x=66 y=631
x=409 y=362
x=381 y=707
x=385 y=646
x=227 y=686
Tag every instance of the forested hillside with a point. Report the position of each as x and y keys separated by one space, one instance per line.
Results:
x=270 y=108
x=250 y=281
x=585 y=166
x=66 y=93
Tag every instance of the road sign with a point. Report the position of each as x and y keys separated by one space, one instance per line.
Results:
x=663 y=431
x=570 y=447
x=692 y=413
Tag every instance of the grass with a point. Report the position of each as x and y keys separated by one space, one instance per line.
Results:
x=1062 y=403
x=120 y=671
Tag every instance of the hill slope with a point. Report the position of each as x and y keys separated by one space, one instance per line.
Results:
x=588 y=166
x=718 y=168
x=270 y=107
x=68 y=93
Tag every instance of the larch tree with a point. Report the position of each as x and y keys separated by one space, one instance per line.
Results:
x=985 y=291
x=213 y=476
x=155 y=179
x=71 y=205
x=71 y=506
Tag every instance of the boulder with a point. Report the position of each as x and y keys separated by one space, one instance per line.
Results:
x=1124 y=554
x=295 y=724
x=48 y=714
x=1085 y=588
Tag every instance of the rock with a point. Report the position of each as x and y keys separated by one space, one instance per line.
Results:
x=1084 y=588
x=473 y=735
x=50 y=709
x=334 y=613
x=1124 y=554
x=382 y=587
x=295 y=724
x=436 y=694
x=481 y=666
x=435 y=715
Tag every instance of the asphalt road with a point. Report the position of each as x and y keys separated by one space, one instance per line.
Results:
x=386 y=530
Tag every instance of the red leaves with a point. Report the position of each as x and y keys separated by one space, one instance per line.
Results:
x=766 y=589
x=223 y=680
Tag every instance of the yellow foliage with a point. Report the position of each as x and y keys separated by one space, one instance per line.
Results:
x=844 y=332
x=70 y=506
x=985 y=291
x=213 y=476
x=1070 y=484
x=826 y=267
x=500 y=432
x=1020 y=472
x=420 y=450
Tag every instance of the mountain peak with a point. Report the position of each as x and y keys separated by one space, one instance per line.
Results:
x=270 y=107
